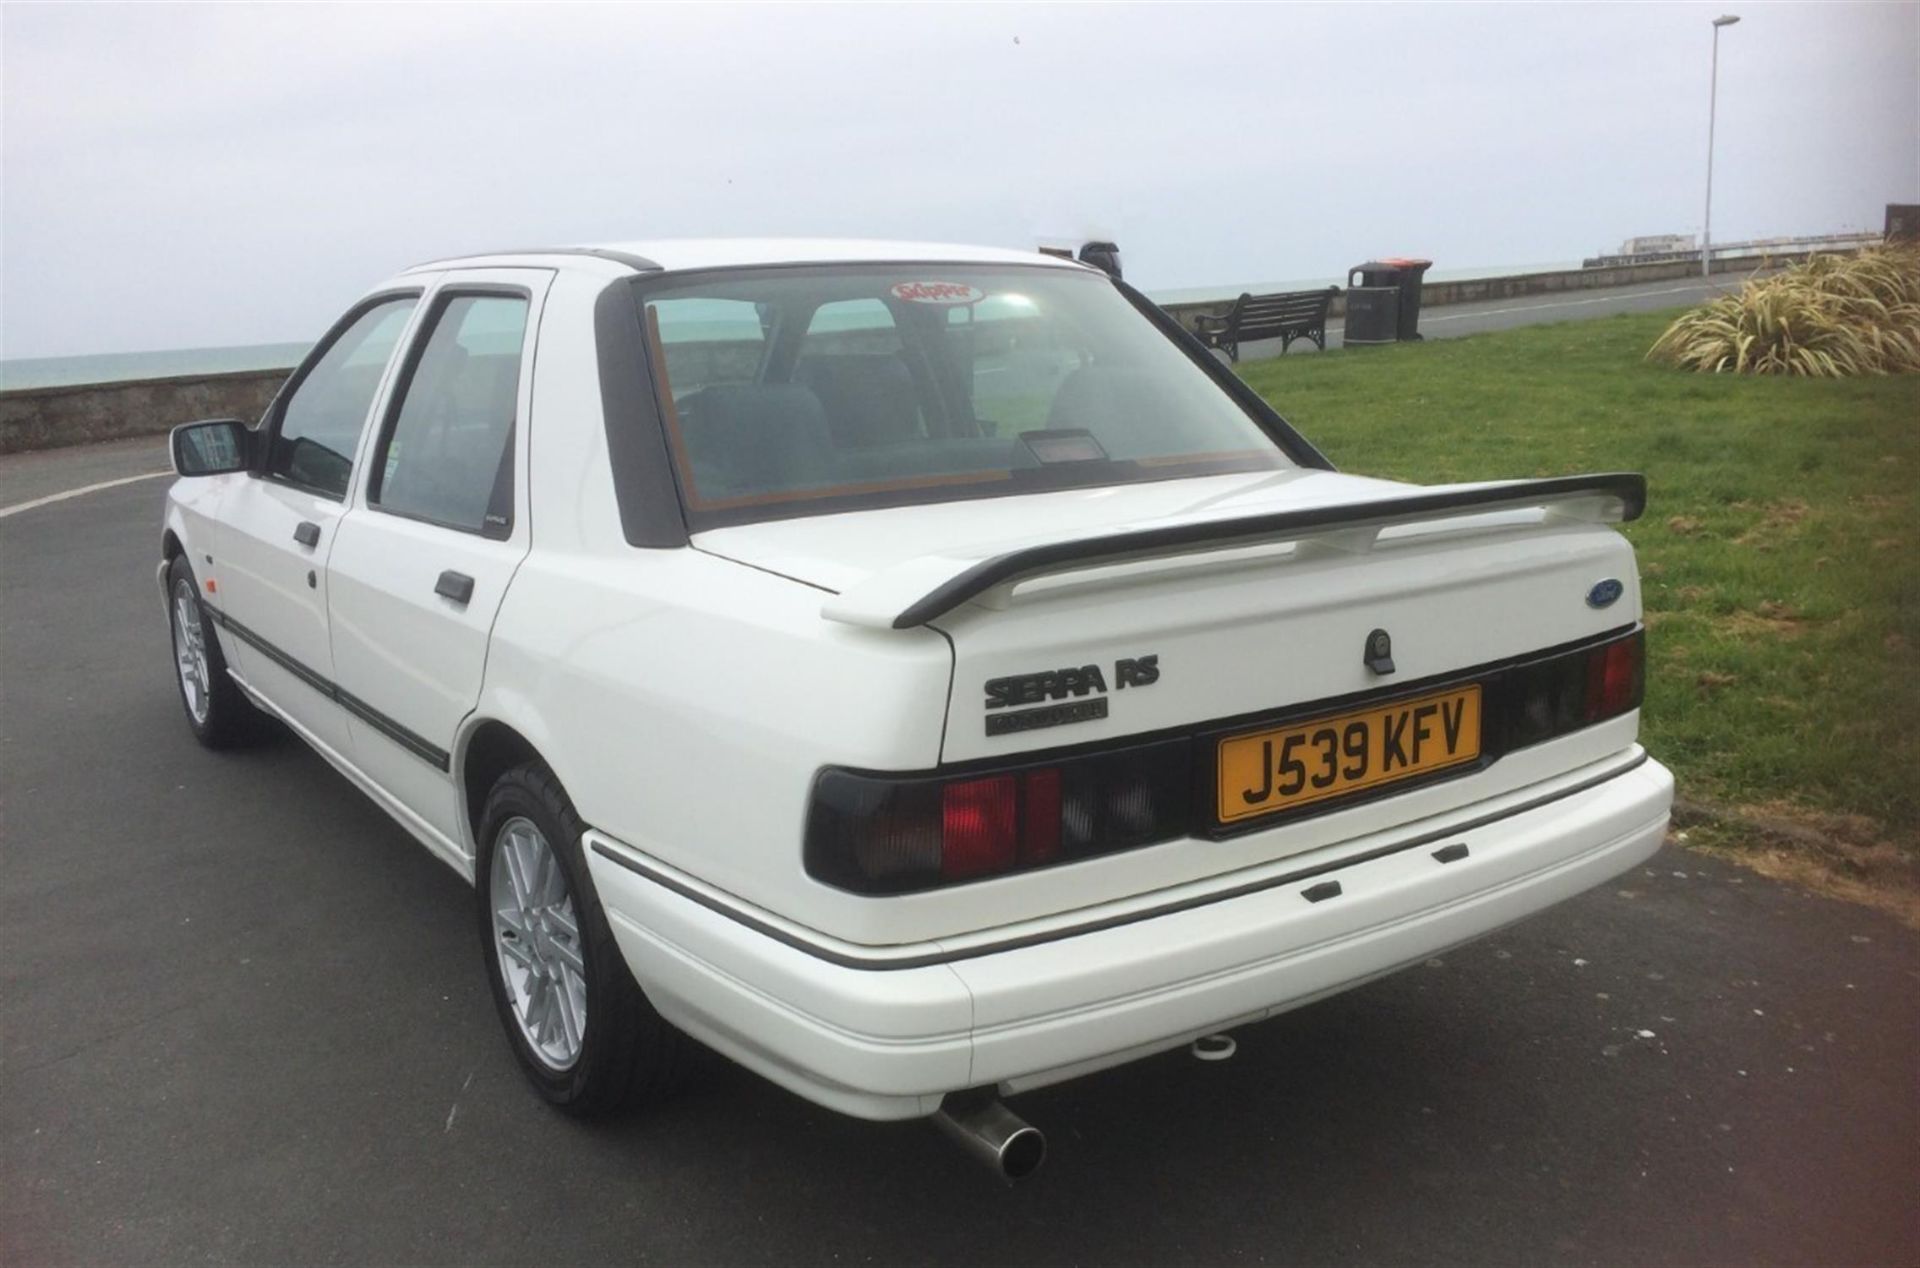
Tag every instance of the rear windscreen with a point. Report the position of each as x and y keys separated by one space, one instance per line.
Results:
x=792 y=391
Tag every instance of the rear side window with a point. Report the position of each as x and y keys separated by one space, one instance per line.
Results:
x=321 y=421
x=448 y=453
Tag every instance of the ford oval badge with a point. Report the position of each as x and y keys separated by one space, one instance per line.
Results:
x=1605 y=593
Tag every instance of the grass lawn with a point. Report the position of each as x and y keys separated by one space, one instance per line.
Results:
x=1780 y=550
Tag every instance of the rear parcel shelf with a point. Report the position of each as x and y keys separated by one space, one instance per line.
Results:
x=922 y=590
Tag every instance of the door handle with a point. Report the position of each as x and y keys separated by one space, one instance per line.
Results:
x=457 y=586
x=307 y=533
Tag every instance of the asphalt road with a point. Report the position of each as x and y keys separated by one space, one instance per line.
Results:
x=29 y=478
x=242 y=1019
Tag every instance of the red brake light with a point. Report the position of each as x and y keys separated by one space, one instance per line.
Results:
x=977 y=827
x=990 y=825
x=1613 y=678
x=1040 y=817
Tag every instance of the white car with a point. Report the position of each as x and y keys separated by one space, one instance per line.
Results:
x=920 y=673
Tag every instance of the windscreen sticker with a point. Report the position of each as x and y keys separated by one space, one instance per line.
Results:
x=937 y=293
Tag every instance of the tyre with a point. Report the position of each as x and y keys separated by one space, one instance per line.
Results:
x=583 y=1031
x=218 y=711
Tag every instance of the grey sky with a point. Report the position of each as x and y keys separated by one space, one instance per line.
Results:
x=179 y=176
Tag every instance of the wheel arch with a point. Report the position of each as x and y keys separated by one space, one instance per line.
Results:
x=488 y=749
x=173 y=531
x=171 y=548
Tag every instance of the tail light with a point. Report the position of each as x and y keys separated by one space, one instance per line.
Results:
x=889 y=834
x=1615 y=678
x=1563 y=693
x=1040 y=817
x=978 y=827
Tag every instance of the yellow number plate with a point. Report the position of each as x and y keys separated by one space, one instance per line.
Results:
x=1290 y=766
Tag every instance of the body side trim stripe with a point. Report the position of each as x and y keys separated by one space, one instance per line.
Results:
x=881 y=960
x=414 y=743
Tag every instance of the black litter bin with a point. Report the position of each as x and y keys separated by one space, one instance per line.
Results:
x=1373 y=314
x=1104 y=256
x=1404 y=276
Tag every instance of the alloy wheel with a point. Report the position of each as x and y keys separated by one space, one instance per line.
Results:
x=190 y=653
x=537 y=938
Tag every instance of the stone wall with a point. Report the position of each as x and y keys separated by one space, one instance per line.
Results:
x=47 y=417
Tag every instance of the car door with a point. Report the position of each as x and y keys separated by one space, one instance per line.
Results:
x=277 y=526
x=439 y=524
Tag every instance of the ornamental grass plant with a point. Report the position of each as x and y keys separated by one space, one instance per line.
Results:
x=1834 y=316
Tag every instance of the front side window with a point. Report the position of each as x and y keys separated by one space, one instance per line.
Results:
x=320 y=424
x=448 y=452
x=873 y=385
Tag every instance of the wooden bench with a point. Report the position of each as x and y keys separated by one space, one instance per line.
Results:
x=1286 y=317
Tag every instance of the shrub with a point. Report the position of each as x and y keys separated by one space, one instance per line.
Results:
x=1833 y=316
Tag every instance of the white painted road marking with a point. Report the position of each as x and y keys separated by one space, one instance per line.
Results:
x=18 y=507
x=1560 y=303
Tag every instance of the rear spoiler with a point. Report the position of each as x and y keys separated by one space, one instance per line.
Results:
x=922 y=590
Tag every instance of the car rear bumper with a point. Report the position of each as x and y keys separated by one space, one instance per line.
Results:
x=886 y=1032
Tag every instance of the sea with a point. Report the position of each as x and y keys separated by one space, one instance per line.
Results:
x=20 y=373
x=17 y=374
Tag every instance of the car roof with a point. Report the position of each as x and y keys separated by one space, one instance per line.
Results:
x=674 y=255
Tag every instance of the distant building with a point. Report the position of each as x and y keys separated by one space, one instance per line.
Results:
x=1657 y=242
x=1667 y=248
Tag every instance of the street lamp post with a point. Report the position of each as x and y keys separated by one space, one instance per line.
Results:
x=1713 y=101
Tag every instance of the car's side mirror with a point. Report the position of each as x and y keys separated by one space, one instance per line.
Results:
x=213 y=447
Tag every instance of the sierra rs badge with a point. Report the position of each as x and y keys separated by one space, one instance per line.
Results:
x=1083 y=688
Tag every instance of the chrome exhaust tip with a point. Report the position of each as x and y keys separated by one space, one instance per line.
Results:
x=994 y=1134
